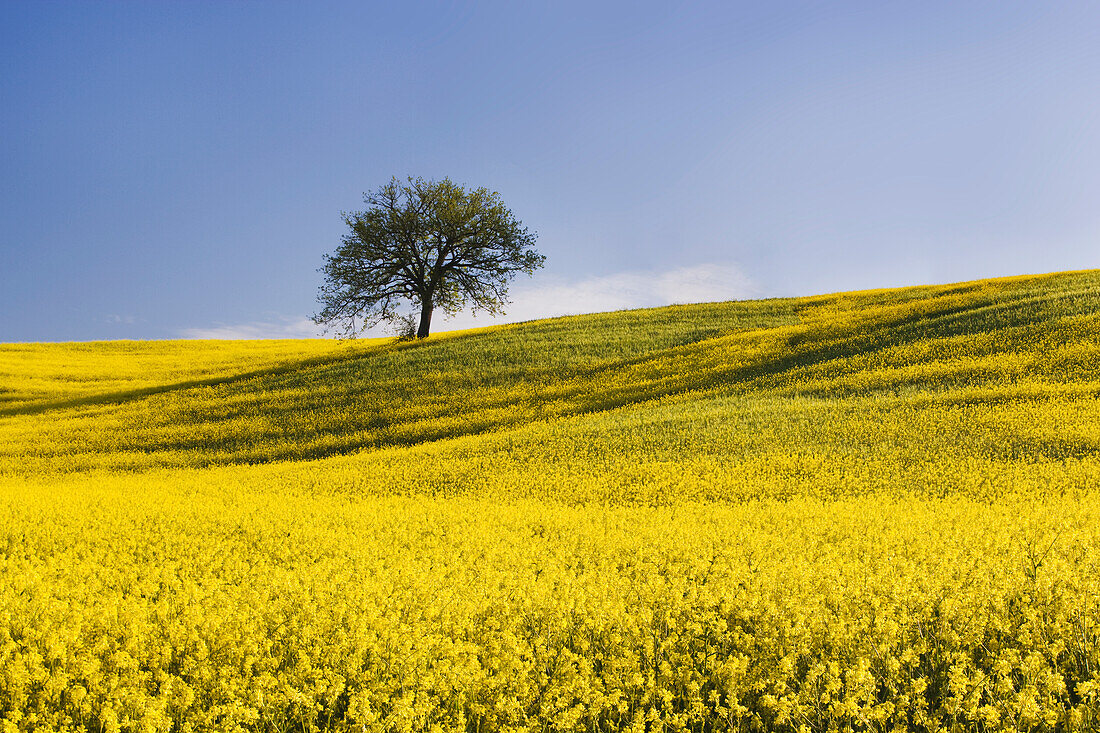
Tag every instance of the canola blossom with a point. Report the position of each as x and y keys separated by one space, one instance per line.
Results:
x=872 y=511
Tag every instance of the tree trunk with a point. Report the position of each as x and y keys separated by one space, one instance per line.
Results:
x=425 y=319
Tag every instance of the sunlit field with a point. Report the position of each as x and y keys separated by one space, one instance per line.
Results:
x=869 y=511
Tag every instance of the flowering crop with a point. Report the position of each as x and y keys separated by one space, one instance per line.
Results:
x=865 y=511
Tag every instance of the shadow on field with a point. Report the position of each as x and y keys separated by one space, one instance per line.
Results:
x=128 y=395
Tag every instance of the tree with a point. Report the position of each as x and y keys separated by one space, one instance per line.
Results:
x=429 y=244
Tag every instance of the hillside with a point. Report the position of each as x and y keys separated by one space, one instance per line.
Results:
x=874 y=511
x=1001 y=373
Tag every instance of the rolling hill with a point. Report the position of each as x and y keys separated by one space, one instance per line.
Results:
x=872 y=510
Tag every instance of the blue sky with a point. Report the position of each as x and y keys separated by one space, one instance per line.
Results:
x=178 y=169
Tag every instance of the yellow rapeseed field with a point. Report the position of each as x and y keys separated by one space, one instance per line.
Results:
x=871 y=511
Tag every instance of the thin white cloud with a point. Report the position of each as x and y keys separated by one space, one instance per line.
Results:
x=280 y=328
x=639 y=289
x=545 y=299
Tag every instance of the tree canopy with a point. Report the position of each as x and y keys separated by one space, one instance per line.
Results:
x=426 y=245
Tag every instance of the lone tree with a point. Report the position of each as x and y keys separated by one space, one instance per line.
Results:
x=429 y=244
